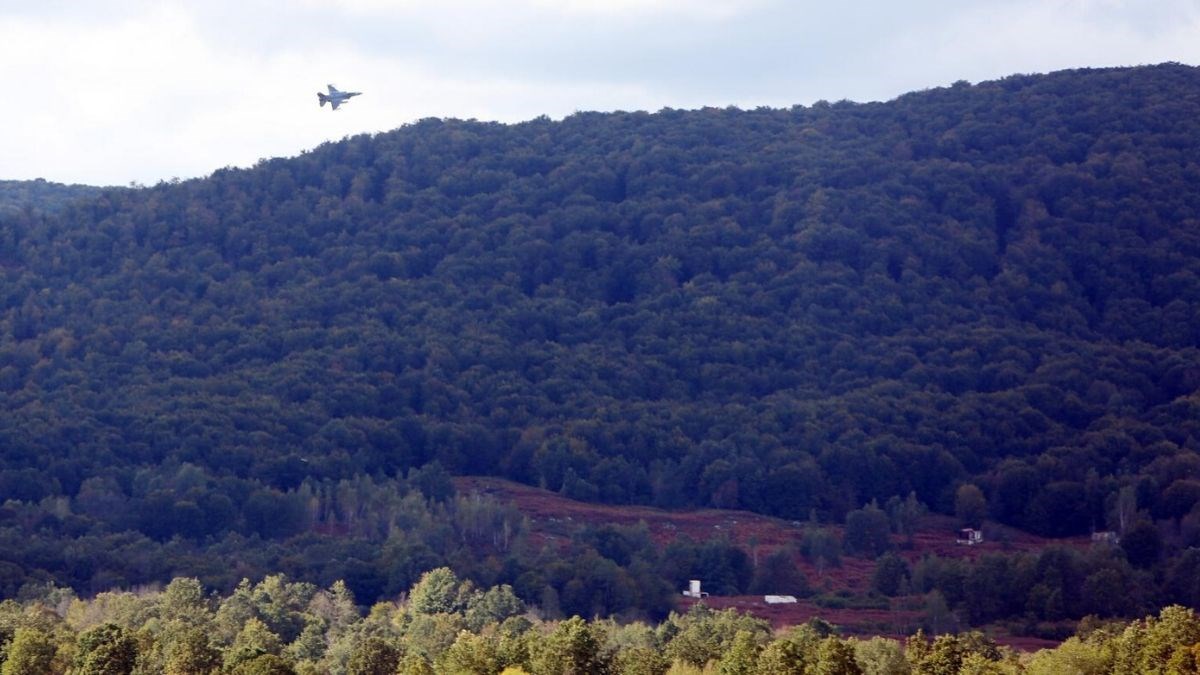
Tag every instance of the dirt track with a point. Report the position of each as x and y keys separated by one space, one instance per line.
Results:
x=552 y=514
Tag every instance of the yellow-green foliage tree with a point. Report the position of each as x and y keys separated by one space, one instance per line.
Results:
x=31 y=652
x=175 y=631
x=105 y=650
x=572 y=647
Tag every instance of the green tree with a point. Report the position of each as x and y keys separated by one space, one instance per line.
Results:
x=778 y=574
x=373 y=656
x=906 y=514
x=880 y=656
x=1125 y=508
x=414 y=663
x=436 y=592
x=105 y=650
x=891 y=574
x=978 y=664
x=703 y=635
x=820 y=547
x=1184 y=660
x=868 y=532
x=784 y=657
x=183 y=600
x=641 y=661
x=470 y=654
x=1142 y=544
x=944 y=657
x=1072 y=656
x=313 y=642
x=513 y=647
x=254 y=640
x=493 y=606
x=432 y=634
x=947 y=654
x=234 y=611
x=916 y=649
x=189 y=652
x=572 y=648
x=263 y=664
x=742 y=657
x=31 y=652
x=835 y=657
x=938 y=616
x=970 y=506
x=281 y=604
x=1176 y=628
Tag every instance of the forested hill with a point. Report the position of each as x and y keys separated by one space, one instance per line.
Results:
x=777 y=310
x=17 y=195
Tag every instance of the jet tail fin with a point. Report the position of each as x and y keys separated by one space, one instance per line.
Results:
x=322 y=98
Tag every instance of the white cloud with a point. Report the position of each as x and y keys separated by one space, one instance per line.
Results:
x=116 y=91
x=987 y=41
x=81 y=88
x=708 y=8
x=148 y=98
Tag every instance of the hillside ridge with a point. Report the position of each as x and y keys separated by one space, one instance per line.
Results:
x=985 y=297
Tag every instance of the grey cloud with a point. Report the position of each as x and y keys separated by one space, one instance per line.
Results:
x=777 y=52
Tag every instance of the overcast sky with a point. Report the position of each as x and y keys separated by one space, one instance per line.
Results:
x=110 y=92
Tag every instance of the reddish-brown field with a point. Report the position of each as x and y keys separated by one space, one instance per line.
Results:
x=552 y=515
x=888 y=622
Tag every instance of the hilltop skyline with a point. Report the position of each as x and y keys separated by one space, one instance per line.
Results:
x=117 y=92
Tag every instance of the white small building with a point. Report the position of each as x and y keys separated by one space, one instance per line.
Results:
x=779 y=599
x=693 y=590
x=969 y=537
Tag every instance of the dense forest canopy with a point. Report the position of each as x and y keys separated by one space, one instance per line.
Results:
x=448 y=625
x=794 y=312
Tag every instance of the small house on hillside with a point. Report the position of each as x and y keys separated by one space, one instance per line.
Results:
x=1106 y=537
x=969 y=537
x=693 y=590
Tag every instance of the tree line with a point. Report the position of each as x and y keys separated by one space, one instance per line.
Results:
x=443 y=624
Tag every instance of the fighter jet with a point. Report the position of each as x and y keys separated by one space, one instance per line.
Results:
x=335 y=98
